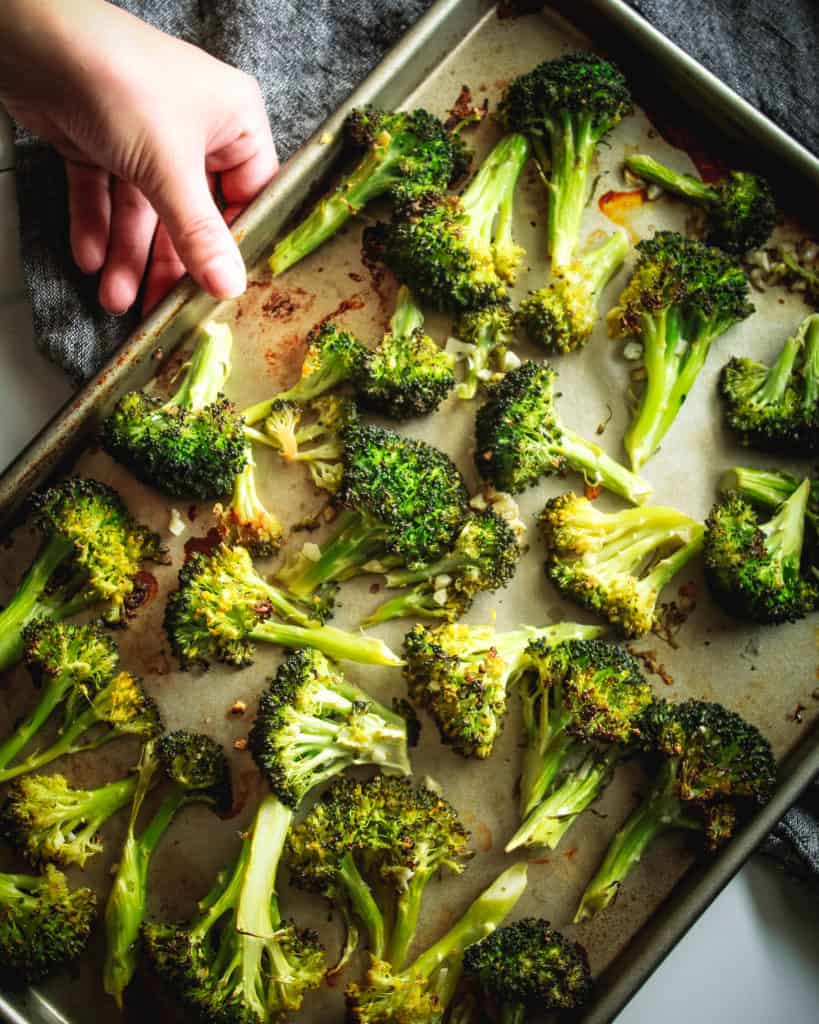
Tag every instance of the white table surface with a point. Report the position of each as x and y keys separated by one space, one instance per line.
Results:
x=754 y=955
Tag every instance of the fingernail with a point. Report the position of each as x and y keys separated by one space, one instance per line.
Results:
x=225 y=276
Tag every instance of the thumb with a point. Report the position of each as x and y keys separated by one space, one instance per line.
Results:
x=199 y=234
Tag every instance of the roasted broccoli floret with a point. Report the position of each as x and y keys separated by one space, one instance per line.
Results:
x=776 y=408
x=246 y=521
x=528 y=968
x=485 y=336
x=93 y=717
x=457 y=252
x=681 y=297
x=90 y=556
x=565 y=107
x=753 y=568
x=584 y=701
x=741 y=207
x=484 y=557
x=191 y=445
x=713 y=766
x=561 y=316
x=404 y=502
x=312 y=724
x=371 y=848
x=50 y=821
x=769 y=488
x=43 y=926
x=238 y=962
x=403 y=155
x=422 y=992
x=408 y=374
x=519 y=438
x=223 y=608
x=197 y=771
x=616 y=563
x=462 y=674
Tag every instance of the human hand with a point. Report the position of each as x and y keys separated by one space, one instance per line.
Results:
x=146 y=123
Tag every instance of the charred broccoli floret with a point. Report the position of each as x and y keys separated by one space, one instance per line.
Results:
x=403 y=155
x=519 y=438
x=191 y=445
x=404 y=501
x=616 y=564
x=90 y=555
x=753 y=568
x=407 y=374
x=50 y=821
x=422 y=992
x=485 y=336
x=566 y=107
x=223 y=608
x=527 y=968
x=238 y=962
x=561 y=316
x=457 y=252
x=332 y=357
x=371 y=846
x=584 y=700
x=44 y=925
x=713 y=766
x=741 y=207
x=246 y=521
x=312 y=724
x=484 y=557
x=776 y=408
x=462 y=674
x=681 y=297
x=197 y=771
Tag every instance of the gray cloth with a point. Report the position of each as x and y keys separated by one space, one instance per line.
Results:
x=307 y=58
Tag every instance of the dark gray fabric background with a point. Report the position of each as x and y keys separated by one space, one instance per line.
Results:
x=308 y=57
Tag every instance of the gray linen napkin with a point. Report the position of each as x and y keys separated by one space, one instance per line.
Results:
x=307 y=58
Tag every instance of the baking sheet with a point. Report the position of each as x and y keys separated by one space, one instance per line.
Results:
x=763 y=674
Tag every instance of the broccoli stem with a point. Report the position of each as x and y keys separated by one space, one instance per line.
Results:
x=685 y=185
x=572 y=147
x=660 y=811
x=53 y=695
x=809 y=332
x=407 y=912
x=418 y=601
x=207 y=371
x=601 y=264
x=364 y=905
x=778 y=376
x=542 y=763
x=759 y=485
x=785 y=533
x=550 y=820
x=335 y=643
x=598 y=468
x=355 y=542
x=667 y=568
x=407 y=317
x=486 y=341
x=24 y=605
x=94 y=807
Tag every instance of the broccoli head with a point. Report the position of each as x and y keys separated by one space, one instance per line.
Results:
x=485 y=336
x=245 y=521
x=713 y=767
x=519 y=439
x=741 y=207
x=617 y=563
x=753 y=568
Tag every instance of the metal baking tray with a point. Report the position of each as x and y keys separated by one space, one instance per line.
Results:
x=764 y=674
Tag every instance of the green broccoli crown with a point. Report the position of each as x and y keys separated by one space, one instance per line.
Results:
x=41 y=818
x=531 y=965
x=486 y=552
x=559 y=317
x=312 y=724
x=108 y=546
x=600 y=686
x=744 y=213
x=488 y=327
x=125 y=707
x=83 y=652
x=754 y=568
x=706 y=289
x=44 y=925
x=198 y=764
x=411 y=488
x=616 y=564
x=580 y=86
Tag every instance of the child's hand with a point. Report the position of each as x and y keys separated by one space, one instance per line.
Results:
x=143 y=121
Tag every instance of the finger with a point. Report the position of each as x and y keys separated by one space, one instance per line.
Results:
x=133 y=222
x=89 y=212
x=164 y=270
x=243 y=179
x=200 y=236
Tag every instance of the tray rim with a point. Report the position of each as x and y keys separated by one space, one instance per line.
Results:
x=173 y=319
